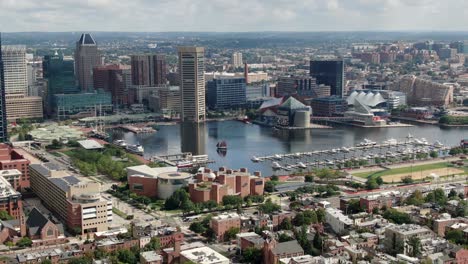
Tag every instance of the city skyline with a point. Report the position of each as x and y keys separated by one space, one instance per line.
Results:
x=277 y=15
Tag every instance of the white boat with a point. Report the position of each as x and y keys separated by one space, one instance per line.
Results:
x=277 y=157
x=390 y=141
x=137 y=149
x=437 y=144
x=301 y=165
x=367 y=142
x=184 y=164
x=255 y=159
x=276 y=166
x=345 y=149
x=120 y=143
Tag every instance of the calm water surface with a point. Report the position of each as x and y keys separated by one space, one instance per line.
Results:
x=245 y=141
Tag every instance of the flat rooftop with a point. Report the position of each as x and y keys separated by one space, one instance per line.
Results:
x=204 y=255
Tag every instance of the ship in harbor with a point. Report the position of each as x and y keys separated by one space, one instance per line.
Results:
x=221 y=145
x=135 y=149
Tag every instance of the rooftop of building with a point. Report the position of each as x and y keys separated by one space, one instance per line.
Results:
x=174 y=175
x=204 y=255
x=6 y=190
x=306 y=259
x=9 y=173
x=147 y=171
x=226 y=216
x=86 y=39
x=339 y=215
x=287 y=248
x=150 y=256
x=90 y=144
x=409 y=229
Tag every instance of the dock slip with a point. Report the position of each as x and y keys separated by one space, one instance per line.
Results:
x=137 y=130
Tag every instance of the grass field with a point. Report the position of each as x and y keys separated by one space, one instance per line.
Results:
x=407 y=170
x=422 y=174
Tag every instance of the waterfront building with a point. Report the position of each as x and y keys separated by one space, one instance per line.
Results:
x=149 y=69
x=72 y=104
x=87 y=57
x=114 y=79
x=328 y=106
x=305 y=87
x=329 y=72
x=257 y=90
x=60 y=74
x=167 y=99
x=78 y=203
x=140 y=94
x=420 y=92
x=18 y=104
x=236 y=60
x=192 y=83
x=292 y=113
x=226 y=93
x=3 y=118
x=156 y=182
x=209 y=185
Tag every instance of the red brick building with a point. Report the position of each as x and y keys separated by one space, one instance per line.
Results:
x=371 y=202
x=222 y=223
x=215 y=185
x=12 y=159
x=274 y=251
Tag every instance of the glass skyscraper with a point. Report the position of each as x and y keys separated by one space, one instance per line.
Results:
x=329 y=72
x=60 y=74
x=225 y=93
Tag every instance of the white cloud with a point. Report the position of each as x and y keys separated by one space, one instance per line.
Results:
x=231 y=15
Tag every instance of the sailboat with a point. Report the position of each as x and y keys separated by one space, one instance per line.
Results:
x=221 y=145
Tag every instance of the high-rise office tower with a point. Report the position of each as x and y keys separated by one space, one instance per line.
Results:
x=329 y=72
x=192 y=83
x=15 y=80
x=60 y=74
x=3 y=120
x=86 y=58
x=236 y=60
x=148 y=69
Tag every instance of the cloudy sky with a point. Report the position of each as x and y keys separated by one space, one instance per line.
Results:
x=232 y=15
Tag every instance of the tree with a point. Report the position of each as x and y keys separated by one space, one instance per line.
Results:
x=372 y=184
x=462 y=209
x=187 y=206
x=24 y=242
x=415 y=246
x=407 y=180
x=269 y=186
x=318 y=241
x=453 y=194
x=309 y=178
x=233 y=200
x=5 y=216
x=176 y=199
x=197 y=227
x=434 y=154
x=416 y=198
x=379 y=180
x=456 y=236
x=80 y=260
x=437 y=196
x=320 y=215
x=46 y=261
x=284 y=238
x=210 y=204
x=274 y=178
x=354 y=207
x=397 y=217
x=126 y=256
x=154 y=244
x=231 y=233
x=269 y=207
x=252 y=255
x=286 y=224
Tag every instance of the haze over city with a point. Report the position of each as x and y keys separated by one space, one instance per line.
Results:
x=233 y=15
